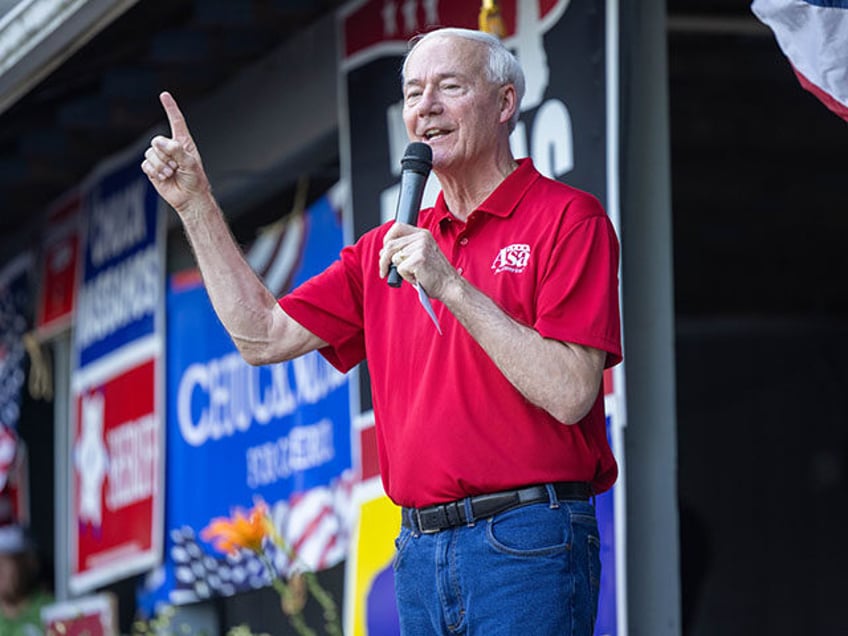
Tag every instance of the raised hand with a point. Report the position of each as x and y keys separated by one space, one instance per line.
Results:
x=173 y=164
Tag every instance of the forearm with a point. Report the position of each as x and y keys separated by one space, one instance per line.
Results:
x=247 y=309
x=561 y=378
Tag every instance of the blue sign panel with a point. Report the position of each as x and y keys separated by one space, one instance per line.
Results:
x=607 y=621
x=238 y=433
x=120 y=287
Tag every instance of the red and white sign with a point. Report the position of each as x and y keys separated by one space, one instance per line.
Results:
x=375 y=23
x=14 y=478
x=116 y=468
x=87 y=616
x=115 y=458
x=60 y=257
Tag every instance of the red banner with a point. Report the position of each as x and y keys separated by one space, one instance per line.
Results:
x=60 y=256
x=116 y=472
x=87 y=616
x=377 y=22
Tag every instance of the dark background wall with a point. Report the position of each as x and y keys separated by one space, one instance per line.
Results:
x=759 y=169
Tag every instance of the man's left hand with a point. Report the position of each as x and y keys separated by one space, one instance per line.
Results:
x=418 y=259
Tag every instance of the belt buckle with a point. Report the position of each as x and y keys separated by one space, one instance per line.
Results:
x=420 y=526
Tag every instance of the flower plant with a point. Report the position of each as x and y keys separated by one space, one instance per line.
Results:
x=253 y=530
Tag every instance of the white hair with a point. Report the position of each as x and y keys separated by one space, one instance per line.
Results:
x=502 y=67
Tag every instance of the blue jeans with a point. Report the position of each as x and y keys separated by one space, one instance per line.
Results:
x=530 y=570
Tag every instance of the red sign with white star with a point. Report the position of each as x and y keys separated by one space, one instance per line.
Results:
x=115 y=456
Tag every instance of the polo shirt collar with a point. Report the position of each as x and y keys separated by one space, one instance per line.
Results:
x=505 y=197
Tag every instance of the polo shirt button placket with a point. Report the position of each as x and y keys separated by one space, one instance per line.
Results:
x=462 y=242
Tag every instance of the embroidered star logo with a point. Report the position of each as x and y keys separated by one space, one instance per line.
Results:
x=512 y=258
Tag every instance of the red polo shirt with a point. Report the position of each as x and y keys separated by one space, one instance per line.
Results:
x=449 y=424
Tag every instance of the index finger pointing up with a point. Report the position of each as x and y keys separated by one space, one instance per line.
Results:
x=179 y=129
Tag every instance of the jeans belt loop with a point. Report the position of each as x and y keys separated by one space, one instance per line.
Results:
x=552 y=496
x=469 y=512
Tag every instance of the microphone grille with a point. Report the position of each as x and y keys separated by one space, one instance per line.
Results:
x=418 y=157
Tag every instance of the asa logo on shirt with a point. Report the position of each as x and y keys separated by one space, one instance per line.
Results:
x=513 y=258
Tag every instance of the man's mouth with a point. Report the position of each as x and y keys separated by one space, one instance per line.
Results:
x=434 y=133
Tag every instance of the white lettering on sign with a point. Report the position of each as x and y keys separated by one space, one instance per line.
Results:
x=118 y=296
x=303 y=448
x=133 y=460
x=314 y=378
x=552 y=141
x=224 y=396
x=118 y=223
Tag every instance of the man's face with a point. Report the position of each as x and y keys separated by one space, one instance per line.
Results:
x=449 y=103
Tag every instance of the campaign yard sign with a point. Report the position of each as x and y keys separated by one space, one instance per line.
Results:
x=57 y=274
x=239 y=433
x=95 y=615
x=115 y=480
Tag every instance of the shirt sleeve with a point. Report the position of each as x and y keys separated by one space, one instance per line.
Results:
x=330 y=306
x=578 y=299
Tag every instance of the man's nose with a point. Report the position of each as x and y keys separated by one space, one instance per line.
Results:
x=429 y=103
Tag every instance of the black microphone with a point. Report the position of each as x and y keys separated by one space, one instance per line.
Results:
x=415 y=168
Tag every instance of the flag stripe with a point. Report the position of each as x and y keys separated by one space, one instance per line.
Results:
x=836 y=4
x=813 y=34
x=826 y=99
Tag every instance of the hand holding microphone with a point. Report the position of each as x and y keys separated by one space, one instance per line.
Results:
x=415 y=168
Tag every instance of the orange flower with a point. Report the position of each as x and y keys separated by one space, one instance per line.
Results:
x=241 y=531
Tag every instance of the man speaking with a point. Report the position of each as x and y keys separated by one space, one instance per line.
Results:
x=491 y=435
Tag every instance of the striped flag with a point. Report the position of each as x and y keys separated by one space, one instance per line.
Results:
x=14 y=324
x=813 y=34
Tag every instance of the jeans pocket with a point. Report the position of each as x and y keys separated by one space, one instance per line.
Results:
x=585 y=528
x=594 y=569
x=594 y=556
x=401 y=542
x=534 y=530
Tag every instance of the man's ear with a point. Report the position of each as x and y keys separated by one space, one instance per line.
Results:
x=508 y=102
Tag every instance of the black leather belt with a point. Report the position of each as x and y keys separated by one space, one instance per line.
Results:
x=456 y=513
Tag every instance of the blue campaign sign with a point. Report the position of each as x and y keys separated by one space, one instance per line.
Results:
x=237 y=433
x=120 y=289
x=607 y=620
x=244 y=431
